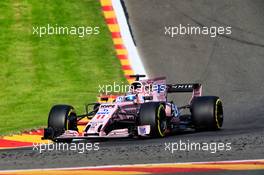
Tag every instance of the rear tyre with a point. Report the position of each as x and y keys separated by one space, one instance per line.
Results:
x=207 y=113
x=62 y=118
x=153 y=114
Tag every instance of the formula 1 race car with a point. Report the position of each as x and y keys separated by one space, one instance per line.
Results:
x=141 y=112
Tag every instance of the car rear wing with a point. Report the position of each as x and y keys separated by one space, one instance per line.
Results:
x=195 y=88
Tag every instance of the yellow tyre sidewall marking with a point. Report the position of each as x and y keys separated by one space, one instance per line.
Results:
x=67 y=120
x=218 y=101
x=162 y=134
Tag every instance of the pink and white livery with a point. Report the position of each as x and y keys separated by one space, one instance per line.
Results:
x=144 y=111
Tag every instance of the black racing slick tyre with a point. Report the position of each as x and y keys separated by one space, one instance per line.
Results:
x=62 y=118
x=207 y=113
x=153 y=114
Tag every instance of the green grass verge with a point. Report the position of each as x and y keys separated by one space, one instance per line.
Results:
x=37 y=73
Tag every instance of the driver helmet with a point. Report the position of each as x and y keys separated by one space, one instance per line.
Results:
x=130 y=97
x=135 y=87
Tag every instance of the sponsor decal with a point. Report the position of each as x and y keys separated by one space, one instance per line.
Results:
x=107 y=106
x=183 y=86
x=93 y=124
x=103 y=112
x=159 y=88
x=142 y=130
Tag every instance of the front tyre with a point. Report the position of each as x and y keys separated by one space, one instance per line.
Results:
x=207 y=113
x=62 y=118
x=153 y=114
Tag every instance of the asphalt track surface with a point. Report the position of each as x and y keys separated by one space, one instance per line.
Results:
x=230 y=67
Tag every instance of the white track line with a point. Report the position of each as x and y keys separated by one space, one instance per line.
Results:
x=133 y=55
